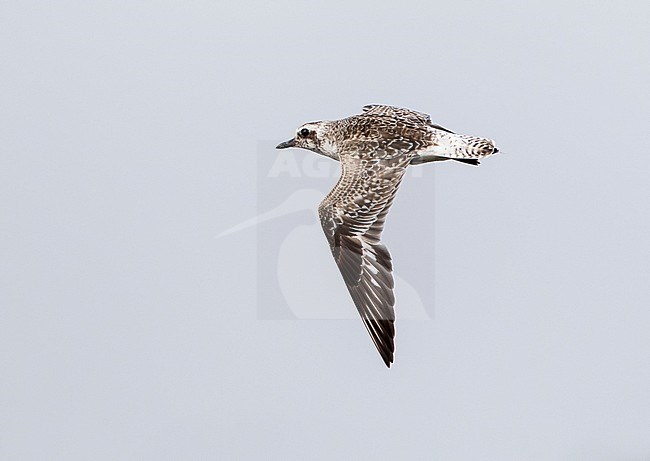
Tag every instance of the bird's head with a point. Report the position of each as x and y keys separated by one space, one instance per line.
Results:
x=314 y=136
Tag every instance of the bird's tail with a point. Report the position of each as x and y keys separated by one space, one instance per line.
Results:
x=462 y=148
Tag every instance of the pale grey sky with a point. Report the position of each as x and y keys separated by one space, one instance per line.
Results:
x=132 y=133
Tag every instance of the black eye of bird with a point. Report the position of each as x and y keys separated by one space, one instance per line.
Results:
x=304 y=132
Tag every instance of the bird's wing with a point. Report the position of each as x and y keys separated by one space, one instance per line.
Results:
x=352 y=216
x=391 y=111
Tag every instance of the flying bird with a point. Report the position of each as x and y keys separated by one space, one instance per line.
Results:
x=375 y=148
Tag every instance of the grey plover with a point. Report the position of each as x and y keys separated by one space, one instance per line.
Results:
x=374 y=149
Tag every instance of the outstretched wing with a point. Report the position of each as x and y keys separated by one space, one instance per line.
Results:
x=352 y=216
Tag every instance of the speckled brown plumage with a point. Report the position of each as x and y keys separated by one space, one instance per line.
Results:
x=374 y=149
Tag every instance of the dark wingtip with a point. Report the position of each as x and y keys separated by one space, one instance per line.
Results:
x=469 y=161
x=387 y=357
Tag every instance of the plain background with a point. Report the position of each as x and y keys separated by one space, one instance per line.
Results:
x=129 y=137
